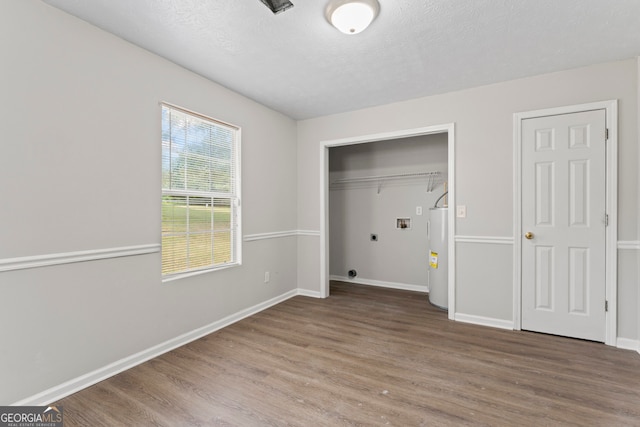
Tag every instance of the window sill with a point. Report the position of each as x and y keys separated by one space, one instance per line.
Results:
x=178 y=276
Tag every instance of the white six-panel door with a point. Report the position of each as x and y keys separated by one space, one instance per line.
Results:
x=563 y=223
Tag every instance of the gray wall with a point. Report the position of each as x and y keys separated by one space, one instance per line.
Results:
x=399 y=257
x=483 y=120
x=638 y=211
x=80 y=170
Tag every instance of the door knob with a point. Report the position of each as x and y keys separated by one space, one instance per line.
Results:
x=528 y=235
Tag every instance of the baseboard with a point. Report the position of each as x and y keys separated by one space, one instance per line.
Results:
x=484 y=321
x=308 y=293
x=65 y=389
x=628 y=344
x=381 y=284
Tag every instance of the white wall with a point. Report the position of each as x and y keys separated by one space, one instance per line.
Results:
x=483 y=120
x=399 y=256
x=80 y=170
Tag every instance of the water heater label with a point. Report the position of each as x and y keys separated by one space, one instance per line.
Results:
x=433 y=259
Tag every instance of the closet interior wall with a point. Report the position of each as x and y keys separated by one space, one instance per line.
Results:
x=358 y=209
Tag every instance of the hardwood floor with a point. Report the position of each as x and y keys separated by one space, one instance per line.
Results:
x=368 y=356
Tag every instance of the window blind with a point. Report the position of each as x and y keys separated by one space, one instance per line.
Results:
x=199 y=192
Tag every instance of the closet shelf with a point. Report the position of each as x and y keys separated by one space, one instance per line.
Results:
x=432 y=178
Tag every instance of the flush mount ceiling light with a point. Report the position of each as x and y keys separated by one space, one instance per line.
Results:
x=352 y=16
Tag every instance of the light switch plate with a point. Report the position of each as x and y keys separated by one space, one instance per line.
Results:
x=461 y=211
x=418 y=210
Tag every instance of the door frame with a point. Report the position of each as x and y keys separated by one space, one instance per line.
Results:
x=611 y=207
x=449 y=129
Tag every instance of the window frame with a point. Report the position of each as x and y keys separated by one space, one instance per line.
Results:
x=235 y=197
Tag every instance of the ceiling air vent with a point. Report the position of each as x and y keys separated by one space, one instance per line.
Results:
x=277 y=6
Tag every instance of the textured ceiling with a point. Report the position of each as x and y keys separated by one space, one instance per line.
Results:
x=296 y=63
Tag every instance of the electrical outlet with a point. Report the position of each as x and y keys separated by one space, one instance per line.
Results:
x=418 y=210
x=266 y=277
x=461 y=211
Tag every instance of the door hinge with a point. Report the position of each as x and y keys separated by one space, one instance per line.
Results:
x=606 y=306
x=606 y=134
x=606 y=220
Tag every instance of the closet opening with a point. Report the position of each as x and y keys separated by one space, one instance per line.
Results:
x=377 y=195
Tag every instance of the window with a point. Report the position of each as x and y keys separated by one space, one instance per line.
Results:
x=200 y=192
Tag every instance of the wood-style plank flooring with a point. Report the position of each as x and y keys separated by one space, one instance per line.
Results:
x=368 y=356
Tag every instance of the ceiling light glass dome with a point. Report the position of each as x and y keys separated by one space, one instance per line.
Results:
x=352 y=16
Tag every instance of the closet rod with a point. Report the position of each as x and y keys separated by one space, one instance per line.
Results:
x=385 y=177
x=431 y=176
